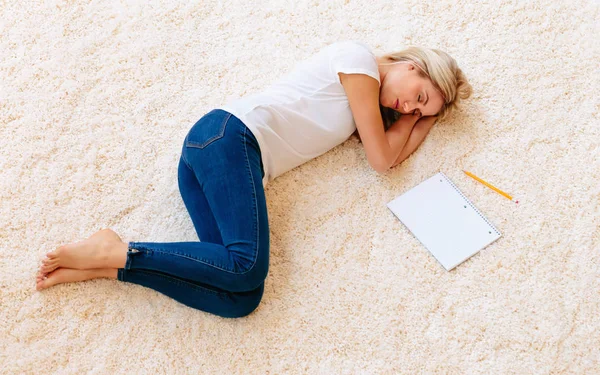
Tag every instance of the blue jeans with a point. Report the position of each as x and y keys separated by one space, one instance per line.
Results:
x=220 y=180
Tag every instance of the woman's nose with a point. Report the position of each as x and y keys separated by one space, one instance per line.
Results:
x=414 y=108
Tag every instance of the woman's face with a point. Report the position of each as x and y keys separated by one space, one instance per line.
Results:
x=404 y=90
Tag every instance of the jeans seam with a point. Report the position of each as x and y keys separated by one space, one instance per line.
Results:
x=255 y=208
x=130 y=251
x=182 y=153
x=181 y=255
x=181 y=282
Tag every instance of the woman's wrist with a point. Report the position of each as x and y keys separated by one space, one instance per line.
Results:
x=398 y=135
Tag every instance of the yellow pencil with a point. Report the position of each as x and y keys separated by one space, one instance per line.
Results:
x=490 y=186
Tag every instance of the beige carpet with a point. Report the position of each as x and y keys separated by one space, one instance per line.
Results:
x=96 y=98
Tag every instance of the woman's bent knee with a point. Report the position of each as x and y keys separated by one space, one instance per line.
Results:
x=247 y=310
x=246 y=303
x=248 y=281
x=250 y=278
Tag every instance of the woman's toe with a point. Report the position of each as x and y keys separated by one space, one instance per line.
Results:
x=48 y=269
x=48 y=280
x=41 y=284
x=50 y=261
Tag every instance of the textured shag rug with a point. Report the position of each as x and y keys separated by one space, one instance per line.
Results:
x=97 y=96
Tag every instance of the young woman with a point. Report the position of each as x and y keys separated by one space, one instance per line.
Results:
x=231 y=153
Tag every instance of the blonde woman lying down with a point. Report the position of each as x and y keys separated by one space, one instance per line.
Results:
x=233 y=151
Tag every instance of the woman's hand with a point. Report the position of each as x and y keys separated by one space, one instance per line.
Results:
x=408 y=120
x=417 y=135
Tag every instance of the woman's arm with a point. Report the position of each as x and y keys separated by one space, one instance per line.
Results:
x=417 y=135
x=402 y=128
x=363 y=98
x=382 y=148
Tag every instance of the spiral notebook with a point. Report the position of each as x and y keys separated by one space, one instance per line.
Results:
x=441 y=217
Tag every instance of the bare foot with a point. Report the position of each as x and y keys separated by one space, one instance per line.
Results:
x=68 y=275
x=104 y=249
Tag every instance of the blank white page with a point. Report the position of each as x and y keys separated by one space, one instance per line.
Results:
x=440 y=216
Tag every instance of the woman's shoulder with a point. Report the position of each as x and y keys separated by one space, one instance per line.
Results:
x=352 y=57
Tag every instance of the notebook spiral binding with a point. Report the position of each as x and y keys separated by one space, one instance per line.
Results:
x=469 y=202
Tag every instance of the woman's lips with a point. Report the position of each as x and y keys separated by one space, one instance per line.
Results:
x=396 y=104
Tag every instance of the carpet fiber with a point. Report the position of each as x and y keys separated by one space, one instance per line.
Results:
x=97 y=96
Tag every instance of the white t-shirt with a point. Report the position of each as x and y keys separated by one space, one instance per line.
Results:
x=306 y=113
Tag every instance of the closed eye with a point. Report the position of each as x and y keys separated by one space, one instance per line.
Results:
x=418 y=101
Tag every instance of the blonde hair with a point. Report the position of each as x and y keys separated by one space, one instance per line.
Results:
x=441 y=69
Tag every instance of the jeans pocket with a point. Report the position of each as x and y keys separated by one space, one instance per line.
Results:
x=208 y=129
